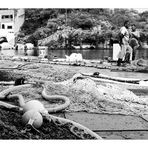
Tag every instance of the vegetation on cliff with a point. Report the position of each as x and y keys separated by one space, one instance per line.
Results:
x=66 y=28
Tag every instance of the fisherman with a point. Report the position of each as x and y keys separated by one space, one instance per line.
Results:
x=125 y=36
x=25 y=50
x=16 y=49
x=127 y=56
x=0 y=48
x=134 y=40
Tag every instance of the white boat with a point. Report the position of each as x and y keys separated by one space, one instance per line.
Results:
x=124 y=82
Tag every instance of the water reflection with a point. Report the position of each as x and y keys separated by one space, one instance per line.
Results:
x=94 y=54
x=91 y=54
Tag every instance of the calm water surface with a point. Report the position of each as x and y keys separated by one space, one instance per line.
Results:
x=94 y=54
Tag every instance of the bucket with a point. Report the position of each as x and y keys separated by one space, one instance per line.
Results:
x=116 y=50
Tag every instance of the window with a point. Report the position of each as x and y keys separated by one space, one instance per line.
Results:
x=3 y=26
x=7 y=16
x=9 y=27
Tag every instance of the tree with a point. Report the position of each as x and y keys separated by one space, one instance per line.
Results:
x=119 y=19
x=81 y=20
x=144 y=16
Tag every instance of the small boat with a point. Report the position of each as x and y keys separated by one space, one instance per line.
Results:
x=124 y=82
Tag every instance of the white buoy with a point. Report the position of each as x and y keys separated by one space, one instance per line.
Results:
x=34 y=105
x=33 y=118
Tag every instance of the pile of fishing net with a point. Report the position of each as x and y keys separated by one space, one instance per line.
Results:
x=90 y=96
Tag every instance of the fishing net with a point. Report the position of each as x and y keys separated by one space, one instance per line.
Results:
x=87 y=95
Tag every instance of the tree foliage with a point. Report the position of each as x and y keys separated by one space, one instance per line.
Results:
x=68 y=27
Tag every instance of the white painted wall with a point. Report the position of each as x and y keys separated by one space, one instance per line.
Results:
x=16 y=23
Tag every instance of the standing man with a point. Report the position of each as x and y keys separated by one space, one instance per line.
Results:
x=25 y=50
x=134 y=40
x=0 y=50
x=16 y=49
x=125 y=36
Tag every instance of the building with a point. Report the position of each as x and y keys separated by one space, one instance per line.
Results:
x=10 y=22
